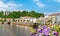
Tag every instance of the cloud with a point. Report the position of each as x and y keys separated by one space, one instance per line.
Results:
x=57 y=0
x=39 y=4
x=3 y=6
x=9 y=6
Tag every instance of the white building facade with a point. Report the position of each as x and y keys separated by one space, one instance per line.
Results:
x=58 y=19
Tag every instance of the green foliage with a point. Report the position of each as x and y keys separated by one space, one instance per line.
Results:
x=36 y=15
x=17 y=14
x=1 y=13
x=57 y=28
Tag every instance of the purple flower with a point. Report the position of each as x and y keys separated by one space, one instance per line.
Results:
x=44 y=27
x=47 y=35
x=55 y=33
x=34 y=34
x=40 y=34
x=48 y=29
x=40 y=31
x=45 y=31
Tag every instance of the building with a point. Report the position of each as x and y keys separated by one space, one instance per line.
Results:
x=58 y=18
x=50 y=19
x=27 y=19
x=9 y=19
x=6 y=13
x=55 y=18
x=40 y=20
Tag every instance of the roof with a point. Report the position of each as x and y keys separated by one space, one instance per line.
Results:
x=56 y=14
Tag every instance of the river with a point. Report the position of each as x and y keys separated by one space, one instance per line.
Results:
x=13 y=30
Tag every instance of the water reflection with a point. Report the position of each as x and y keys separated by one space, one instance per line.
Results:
x=8 y=30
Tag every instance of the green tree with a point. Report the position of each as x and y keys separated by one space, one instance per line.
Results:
x=17 y=14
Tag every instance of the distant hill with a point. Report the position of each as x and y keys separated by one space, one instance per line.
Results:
x=17 y=14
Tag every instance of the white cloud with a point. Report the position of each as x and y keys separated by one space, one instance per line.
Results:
x=3 y=6
x=39 y=4
x=9 y=6
x=57 y=0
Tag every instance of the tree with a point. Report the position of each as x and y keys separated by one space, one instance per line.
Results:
x=1 y=14
x=24 y=13
x=17 y=14
x=36 y=15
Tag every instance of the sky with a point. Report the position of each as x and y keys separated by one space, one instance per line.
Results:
x=40 y=6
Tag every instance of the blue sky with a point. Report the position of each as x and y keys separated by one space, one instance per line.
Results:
x=40 y=6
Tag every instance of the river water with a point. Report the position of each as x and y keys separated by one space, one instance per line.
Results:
x=13 y=30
